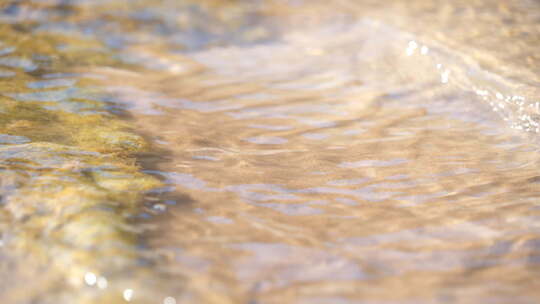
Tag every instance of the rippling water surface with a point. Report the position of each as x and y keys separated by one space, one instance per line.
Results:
x=269 y=152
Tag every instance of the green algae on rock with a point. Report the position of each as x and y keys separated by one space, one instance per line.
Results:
x=69 y=190
x=70 y=185
x=94 y=132
x=68 y=211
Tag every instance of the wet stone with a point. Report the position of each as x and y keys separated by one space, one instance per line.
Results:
x=42 y=182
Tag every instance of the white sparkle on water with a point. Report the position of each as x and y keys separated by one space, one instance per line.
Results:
x=169 y=300
x=90 y=278
x=128 y=294
x=102 y=283
x=412 y=46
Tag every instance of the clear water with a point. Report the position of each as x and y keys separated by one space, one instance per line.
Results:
x=269 y=152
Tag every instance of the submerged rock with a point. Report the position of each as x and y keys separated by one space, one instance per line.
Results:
x=68 y=211
x=70 y=186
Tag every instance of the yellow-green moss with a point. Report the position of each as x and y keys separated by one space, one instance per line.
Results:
x=68 y=196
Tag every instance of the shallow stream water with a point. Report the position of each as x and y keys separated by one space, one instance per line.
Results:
x=269 y=152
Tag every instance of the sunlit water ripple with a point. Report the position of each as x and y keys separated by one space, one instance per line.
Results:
x=307 y=152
